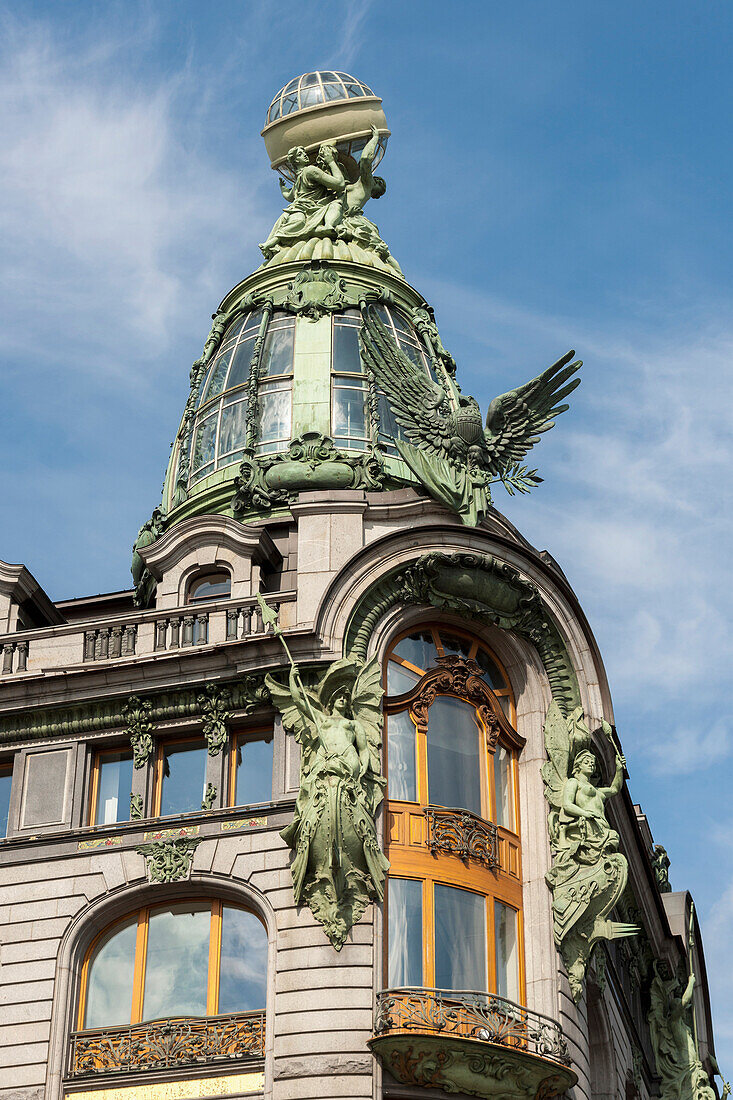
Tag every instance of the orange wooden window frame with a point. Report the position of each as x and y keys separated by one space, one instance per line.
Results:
x=242 y=737
x=415 y=862
x=140 y=960
x=121 y=750
x=158 y=773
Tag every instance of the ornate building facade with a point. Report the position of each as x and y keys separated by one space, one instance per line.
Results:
x=331 y=803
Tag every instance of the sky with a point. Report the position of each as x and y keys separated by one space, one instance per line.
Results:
x=558 y=176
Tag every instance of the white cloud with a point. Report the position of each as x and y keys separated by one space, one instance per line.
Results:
x=107 y=218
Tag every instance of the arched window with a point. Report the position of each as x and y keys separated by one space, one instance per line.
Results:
x=183 y=958
x=454 y=894
x=210 y=586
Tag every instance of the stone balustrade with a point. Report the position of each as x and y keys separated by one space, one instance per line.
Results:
x=139 y=635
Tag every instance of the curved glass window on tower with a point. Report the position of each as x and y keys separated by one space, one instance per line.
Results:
x=310 y=89
x=219 y=433
x=350 y=425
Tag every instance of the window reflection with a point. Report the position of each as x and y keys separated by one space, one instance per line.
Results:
x=507 y=953
x=454 y=755
x=405 y=923
x=243 y=962
x=109 y=985
x=6 y=781
x=176 y=974
x=192 y=958
x=253 y=772
x=503 y=788
x=460 y=939
x=114 y=788
x=183 y=777
x=401 y=756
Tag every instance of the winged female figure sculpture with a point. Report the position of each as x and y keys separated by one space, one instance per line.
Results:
x=338 y=868
x=588 y=873
x=444 y=443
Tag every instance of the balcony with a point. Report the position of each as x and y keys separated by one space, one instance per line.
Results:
x=169 y=1044
x=469 y=1042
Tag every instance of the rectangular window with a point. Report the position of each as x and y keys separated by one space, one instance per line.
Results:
x=405 y=931
x=350 y=412
x=460 y=939
x=111 y=788
x=275 y=415
x=181 y=777
x=279 y=348
x=507 y=953
x=177 y=968
x=401 y=756
x=456 y=756
x=503 y=776
x=251 y=780
x=6 y=782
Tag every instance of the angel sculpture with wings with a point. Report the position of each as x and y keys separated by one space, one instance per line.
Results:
x=588 y=873
x=338 y=866
x=446 y=446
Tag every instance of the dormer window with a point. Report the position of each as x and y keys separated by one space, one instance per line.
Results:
x=211 y=586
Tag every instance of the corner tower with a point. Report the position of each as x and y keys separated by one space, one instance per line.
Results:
x=332 y=805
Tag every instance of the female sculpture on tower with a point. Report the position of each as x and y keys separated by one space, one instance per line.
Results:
x=338 y=866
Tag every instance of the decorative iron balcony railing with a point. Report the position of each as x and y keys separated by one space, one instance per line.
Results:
x=471 y=1015
x=462 y=833
x=163 y=1044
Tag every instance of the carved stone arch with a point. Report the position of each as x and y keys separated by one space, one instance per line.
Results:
x=117 y=903
x=480 y=588
x=602 y=1077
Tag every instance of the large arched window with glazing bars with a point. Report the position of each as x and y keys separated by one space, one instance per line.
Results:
x=454 y=902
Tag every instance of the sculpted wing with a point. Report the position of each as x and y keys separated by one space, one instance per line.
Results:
x=366 y=700
x=419 y=405
x=293 y=720
x=557 y=743
x=516 y=420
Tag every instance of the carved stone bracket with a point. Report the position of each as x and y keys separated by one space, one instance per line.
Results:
x=137 y=714
x=169 y=860
x=461 y=833
x=480 y=588
x=311 y=461
x=214 y=701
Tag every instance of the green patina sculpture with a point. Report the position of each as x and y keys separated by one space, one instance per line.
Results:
x=671 y=1026
x=588 y=873
x=447 y=448
x=325 y=207
x=214 y=702
x=148 y=534
x=660 y=865
x=338 y=868
x=168 y=860
x=209 y=797
x=311 y=461
x=137 y=714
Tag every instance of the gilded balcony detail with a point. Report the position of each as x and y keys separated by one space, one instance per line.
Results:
x=165 y=1044
x=462 y=1041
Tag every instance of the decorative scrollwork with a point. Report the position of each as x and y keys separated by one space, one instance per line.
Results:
x=137 y=715
x=461 y=833
x=167 y=1043
x=472 y=1015
x=462 y=678
x=168 y=860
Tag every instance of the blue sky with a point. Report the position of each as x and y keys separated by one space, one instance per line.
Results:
x=559 y=176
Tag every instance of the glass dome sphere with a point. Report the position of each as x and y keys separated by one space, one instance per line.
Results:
x=310 y=89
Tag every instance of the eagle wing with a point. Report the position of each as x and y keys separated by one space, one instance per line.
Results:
x=517 y=419
x=420 y=406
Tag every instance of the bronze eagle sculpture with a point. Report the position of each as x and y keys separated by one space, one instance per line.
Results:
x=443 y=440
